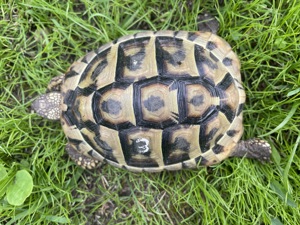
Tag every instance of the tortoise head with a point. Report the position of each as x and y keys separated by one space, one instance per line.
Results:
x=48 y=105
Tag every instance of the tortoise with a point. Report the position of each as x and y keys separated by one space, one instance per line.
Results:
x=153 y=101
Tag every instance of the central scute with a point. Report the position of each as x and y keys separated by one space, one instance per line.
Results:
x=155 y=103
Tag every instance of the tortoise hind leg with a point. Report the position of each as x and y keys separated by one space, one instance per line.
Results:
x=81 y=160
x=253 y=148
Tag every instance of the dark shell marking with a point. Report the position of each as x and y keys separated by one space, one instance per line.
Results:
x=154 y=101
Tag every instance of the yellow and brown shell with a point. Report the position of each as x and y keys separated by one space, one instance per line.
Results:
x=155 y=101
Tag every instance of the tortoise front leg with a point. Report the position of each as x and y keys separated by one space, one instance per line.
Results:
x=81 y=160
x=55 y=83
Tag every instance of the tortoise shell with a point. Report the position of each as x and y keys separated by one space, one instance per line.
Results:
x=155 y=100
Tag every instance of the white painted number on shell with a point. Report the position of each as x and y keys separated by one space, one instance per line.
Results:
x=142 y=145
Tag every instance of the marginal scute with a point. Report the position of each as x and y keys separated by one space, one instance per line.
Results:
x=201 y=160
x=213 y=57
x=227 y=61
x=217 y=148
x=189 y=163
x=211 y=45
x=88 y=57
x=202 y=38
x=231 y=133
x=235 y=66
x=154 y=101
x=237 y=124
x=222 y=48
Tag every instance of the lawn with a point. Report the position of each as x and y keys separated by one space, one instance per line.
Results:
x=40 y=39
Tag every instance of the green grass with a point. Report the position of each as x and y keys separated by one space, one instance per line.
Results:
x=40 y=39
